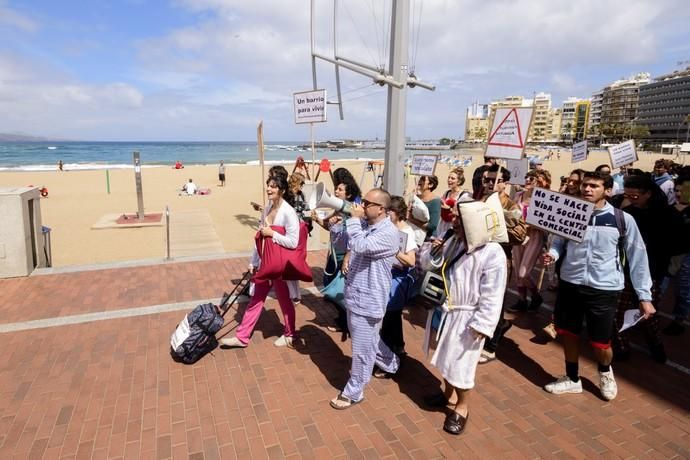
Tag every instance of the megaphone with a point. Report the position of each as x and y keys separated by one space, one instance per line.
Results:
x=324 y=200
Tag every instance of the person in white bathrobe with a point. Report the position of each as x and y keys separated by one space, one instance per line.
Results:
x=476 y=283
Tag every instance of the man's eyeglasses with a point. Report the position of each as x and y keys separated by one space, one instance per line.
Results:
x=491 y=180
x=367 y=203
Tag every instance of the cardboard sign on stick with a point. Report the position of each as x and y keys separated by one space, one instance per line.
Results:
x=508 y=134
x=518 y=169
x=559 y=214
x=424 y=165
x=579 y=152
x=310 y=106
x=623 y=154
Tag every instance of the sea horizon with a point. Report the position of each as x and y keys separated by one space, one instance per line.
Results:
x=79 y=155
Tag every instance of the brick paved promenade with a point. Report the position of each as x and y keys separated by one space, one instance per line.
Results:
x=108 y=388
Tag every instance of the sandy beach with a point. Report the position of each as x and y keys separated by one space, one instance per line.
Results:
x=78 y=199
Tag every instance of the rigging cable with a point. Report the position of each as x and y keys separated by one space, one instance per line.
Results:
x=359 y=33
x=376 y=32
x=413 y=61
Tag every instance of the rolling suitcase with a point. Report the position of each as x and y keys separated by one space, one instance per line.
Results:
x=195 y=336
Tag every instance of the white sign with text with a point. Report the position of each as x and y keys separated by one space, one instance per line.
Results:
x=623 y=154
x=518 y=169
x=559 y=214
x=508 y=135
x=310 y=106
x=424 y=165
x=579 y=152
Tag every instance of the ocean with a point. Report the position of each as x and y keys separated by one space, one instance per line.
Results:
x=44 y=156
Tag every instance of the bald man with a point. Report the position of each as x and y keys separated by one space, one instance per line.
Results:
x=373 y=244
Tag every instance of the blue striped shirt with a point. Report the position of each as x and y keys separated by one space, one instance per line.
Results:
x=372 y=253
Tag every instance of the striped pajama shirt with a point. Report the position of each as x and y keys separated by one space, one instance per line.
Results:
x=367 y=289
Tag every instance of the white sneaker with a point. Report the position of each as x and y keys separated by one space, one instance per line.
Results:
x=607 y=385
x=283 y=341
x=564 y=385
x=232 y=342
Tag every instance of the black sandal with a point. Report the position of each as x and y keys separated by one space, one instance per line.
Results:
x=381 y=374
x=455 y=423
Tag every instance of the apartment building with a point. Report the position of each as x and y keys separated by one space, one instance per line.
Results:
x=664 y=108
x=568 y=118
x=540 y=130
x=595 y=110
x=621 y=99
x=477 y=123
x=581 y=120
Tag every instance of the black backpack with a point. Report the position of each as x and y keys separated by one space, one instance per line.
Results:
x=195 y=336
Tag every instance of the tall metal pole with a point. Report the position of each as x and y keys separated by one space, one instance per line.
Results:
x=137 y=180
x=393 y=175
x=311 y=41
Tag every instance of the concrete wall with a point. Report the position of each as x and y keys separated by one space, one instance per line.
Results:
x=20 y=209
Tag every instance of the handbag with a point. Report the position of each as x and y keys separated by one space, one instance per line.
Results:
x=278 y=262
x=433 y=290
x=335 y=290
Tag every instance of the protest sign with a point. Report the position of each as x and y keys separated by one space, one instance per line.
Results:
x=424 y=165
x=579 y=152
x=508 y=134
x=630 y=318
x=310 y=106
x=559 y=214
x=518 y=169
x=623 y=154
x=402 y=241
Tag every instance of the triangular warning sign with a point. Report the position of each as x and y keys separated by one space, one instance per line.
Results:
x=508 y=133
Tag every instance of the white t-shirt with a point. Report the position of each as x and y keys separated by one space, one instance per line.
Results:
x=190 y=188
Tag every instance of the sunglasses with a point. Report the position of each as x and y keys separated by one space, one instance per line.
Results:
x=489 y=180
x=631 y=196
x=530 y=179
x=367 y=203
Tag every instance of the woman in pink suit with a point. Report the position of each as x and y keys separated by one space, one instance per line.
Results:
x=279 y=213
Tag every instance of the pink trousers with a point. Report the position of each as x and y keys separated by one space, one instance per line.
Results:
x=256 y=306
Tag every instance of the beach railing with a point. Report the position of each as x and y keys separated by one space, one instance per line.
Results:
x=167 y=233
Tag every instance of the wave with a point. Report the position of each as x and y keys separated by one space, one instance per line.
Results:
x=73 y=167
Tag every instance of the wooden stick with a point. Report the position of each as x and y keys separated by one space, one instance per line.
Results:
x=546 y=248
x=260 y=147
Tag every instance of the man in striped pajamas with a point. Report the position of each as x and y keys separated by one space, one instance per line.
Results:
x=373 y=244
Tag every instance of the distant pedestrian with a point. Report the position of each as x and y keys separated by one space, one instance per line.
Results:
x=221 y=173
x=60 y=165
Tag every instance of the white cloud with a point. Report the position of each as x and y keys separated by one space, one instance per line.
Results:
x=241 y=60
x=12 y=18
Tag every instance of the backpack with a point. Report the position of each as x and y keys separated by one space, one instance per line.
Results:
x=619 y=216
x=195 y=336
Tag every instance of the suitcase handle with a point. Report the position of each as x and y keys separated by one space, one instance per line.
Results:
x=224 y=305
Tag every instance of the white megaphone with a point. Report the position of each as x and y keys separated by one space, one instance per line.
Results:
x=324 y=200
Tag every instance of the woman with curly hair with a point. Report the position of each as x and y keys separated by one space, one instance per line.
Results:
x=278 y=212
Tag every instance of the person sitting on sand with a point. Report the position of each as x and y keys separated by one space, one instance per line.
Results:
x=178 y=164
x=190 y=187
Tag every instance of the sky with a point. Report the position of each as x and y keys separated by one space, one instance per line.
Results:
x=210 y=70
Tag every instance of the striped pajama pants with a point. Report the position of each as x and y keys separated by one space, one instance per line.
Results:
x=367 y=349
